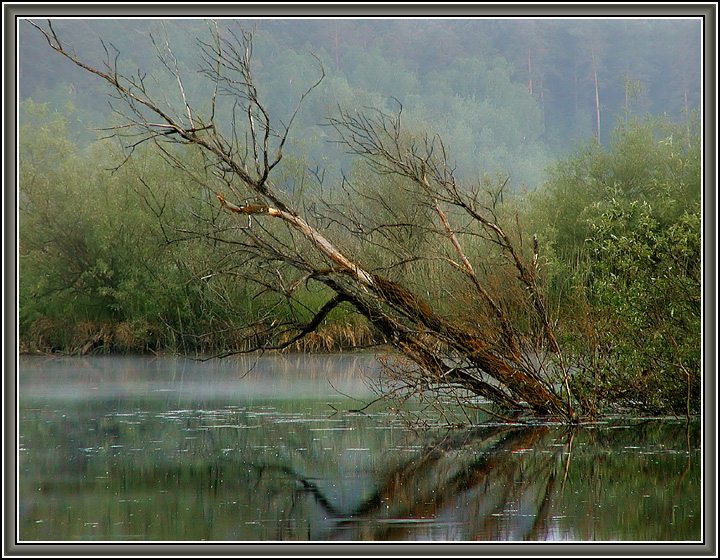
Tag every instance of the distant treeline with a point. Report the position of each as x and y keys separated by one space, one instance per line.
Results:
x=507 y=95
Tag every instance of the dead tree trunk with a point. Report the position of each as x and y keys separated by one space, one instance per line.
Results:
x=597 y=96
x=504 y=363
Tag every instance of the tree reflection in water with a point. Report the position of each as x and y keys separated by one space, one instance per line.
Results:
x=272 y=474
x=489 y=483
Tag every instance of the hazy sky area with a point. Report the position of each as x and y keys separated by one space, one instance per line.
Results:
x=507 y=96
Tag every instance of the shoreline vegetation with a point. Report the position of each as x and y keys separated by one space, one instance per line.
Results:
x=52 y=337
x=619 y=232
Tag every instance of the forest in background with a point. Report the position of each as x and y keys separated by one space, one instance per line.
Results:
x=507 y=96
x=108 y=261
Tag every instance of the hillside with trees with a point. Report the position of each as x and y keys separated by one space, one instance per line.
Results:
x=508 y=96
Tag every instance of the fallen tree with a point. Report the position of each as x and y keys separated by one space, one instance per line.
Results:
x=484 y=330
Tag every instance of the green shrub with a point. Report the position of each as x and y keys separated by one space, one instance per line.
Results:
x=621 y=235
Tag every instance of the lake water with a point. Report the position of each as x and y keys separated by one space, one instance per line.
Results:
x=274 y=449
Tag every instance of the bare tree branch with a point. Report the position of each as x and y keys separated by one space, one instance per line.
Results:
x=327 y=243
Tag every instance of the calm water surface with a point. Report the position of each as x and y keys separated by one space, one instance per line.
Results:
x=116 y=448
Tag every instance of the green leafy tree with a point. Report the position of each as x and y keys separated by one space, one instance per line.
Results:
x=621 y=228
x=645 y=286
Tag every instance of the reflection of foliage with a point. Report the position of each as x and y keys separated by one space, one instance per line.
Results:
x=641 y=480
x=275 y=473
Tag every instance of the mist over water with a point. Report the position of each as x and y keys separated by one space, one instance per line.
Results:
x=165 y=449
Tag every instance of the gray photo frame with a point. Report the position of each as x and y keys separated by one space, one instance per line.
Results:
x=13 y=12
